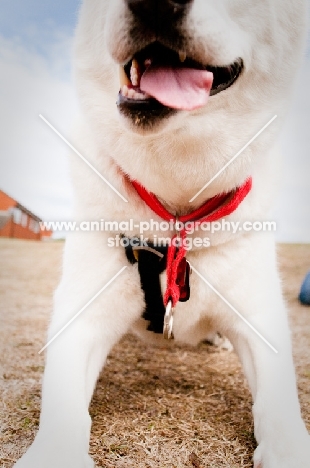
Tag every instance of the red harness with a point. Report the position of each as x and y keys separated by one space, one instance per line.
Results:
x=214 y=209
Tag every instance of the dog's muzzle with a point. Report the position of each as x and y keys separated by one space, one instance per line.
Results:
x=162 y=77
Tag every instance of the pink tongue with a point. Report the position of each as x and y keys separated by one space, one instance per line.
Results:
x=179 y=88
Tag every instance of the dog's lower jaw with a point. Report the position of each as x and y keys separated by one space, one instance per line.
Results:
x=144 y=116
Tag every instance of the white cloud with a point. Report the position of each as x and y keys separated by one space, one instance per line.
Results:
x=34 y=167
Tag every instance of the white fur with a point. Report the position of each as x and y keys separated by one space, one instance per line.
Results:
x=174 y=161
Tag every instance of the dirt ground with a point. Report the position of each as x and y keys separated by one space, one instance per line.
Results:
x=178 y=407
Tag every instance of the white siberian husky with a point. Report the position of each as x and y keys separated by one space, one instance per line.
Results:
x=198 y=79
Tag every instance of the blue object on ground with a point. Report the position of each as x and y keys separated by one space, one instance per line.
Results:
x=304 y=295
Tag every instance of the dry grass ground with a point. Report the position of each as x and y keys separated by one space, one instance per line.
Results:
x=176 y=407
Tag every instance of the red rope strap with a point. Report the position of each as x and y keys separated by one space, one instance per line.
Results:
x=174 y=258
x=214 y=209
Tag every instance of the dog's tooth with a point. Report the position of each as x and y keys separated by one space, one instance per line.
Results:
x=125 y=90
x=135 y=65
x=124 y=80
x=134 y=78
x=147 y=62
x=182 y=56
x=139 y=96
x=142 y=96
x=131 y=93
x=134 y=73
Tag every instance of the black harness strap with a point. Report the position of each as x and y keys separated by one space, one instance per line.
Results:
x=150 y=266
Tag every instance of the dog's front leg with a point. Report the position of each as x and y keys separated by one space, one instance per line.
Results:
x=283 y=441
x=75 y=358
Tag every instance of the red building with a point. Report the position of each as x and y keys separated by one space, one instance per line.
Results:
x=18 y=222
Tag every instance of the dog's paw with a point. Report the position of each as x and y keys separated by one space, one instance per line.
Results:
x=27 y=461
x=46 y=455
x=283 y=455
x=219 y=341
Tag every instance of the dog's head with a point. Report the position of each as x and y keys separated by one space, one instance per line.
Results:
x=203 y=66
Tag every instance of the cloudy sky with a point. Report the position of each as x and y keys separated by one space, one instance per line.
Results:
x=35 y=50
